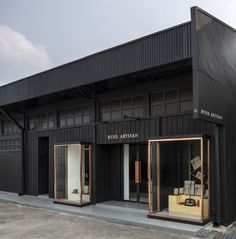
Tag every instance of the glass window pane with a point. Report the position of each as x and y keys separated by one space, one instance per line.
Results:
x=105 y=105
x=158 y=109
x=138 y=101
x=157 y=98
x=106 y=116
x=85 y=110
x=61 y=172
x=127 y=112
x=44 y=124
x=154 y=154
x=115 y=115
x=115 y=104
x=127 y=102
x=32 y=124
x=206 y=185
x=63 y=114
x=138 y=112
x=178 y=165
x=50 y=124
x=185 y=93
x=44 y=117
x=37 y=123
x=9 y=129
x=186 y=105
x=78 y=119
x=72 y=173
x=171 y=95
x=172 y=107
x=86 y=119
x=85 y=175
x=78 y=112
x=62 y=122
x=70 y=121
x=14 y=129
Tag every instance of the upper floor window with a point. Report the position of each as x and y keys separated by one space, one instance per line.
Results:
x=41 y=121
x=171 y=101
x=10 y=145
x=9 y=127
x=68 y=117
x=118 y=108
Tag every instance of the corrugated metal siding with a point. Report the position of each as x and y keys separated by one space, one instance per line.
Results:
x=10 y=171
x=163 y=47
x=144 y=128
x=73 y=134
x=184 y=125
x=10 y=167
x=163 y=126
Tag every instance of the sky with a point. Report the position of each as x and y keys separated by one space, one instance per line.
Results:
x=39 y=35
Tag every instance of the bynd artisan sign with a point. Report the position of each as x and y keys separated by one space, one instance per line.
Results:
x=122 y=136
x=211 y=115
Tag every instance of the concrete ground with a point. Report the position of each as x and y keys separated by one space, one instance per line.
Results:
x=126 y=213
x=18 y=221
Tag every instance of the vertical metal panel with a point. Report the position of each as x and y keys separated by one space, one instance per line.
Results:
x=10 y=172
x=186 y=126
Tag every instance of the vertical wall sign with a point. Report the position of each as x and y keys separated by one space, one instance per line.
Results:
x=214 y=65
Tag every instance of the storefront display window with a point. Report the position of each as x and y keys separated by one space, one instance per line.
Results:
x=72 y=173
x=179 y=185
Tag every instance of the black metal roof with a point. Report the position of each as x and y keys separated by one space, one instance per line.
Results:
x=167 y=46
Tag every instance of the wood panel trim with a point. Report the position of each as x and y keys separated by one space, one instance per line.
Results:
x=90 y=173
x=209 y=177
x=202 y=178
x=81 y=164
x=54 y=168
x=158 y=177
x=149 y=176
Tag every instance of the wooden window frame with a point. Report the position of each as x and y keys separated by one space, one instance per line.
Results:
x=67 y=201
x=158 y=141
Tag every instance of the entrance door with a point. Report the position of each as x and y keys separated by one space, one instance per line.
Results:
x=135 y=173
x=43 y=165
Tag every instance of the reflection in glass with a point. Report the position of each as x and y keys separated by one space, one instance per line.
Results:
x=178 y=178
x=72 y=173
x=85 y=175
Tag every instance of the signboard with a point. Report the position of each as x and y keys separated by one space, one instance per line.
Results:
x=122 y=136
x=213 y=52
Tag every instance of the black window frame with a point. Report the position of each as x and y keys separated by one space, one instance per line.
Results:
x=82 y=112
x=178 y=100
x=121 y=108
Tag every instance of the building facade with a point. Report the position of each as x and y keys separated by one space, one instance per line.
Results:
x=151 y=121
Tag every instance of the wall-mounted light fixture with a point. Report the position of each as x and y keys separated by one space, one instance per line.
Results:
x=130 y=117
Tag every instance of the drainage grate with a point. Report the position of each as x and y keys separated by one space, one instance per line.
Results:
x=205 y=233
x=229 y=236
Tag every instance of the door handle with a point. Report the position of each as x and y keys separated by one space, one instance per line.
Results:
x=137 y=172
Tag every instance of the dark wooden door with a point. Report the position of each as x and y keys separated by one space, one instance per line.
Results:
x=43 y=165
x=116 y=172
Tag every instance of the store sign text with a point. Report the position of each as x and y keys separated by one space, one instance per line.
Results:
x=122 y=136
x=211 y=115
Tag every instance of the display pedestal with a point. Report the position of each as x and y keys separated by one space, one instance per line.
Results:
x=176 y=205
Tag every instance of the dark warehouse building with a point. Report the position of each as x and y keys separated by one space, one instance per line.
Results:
x=150 y=121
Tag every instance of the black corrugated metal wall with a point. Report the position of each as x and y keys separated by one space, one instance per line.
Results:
x=164 y=126
x=10 y=159
x=167 y=46
x=73 y=134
